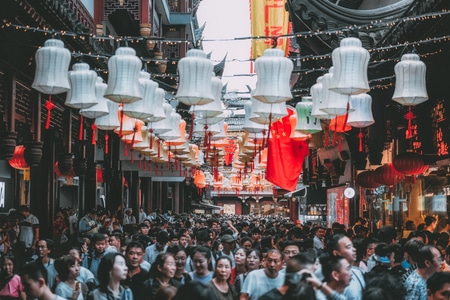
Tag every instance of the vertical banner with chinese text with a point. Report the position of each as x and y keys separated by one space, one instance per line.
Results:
x=269 y=18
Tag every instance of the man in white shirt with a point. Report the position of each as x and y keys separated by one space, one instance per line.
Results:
x=261 y=281
x=142 y=215
x=152 y=251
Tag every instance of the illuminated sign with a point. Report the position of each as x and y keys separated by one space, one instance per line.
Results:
x=2 y=194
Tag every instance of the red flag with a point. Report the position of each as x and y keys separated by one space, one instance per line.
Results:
x=285 y=155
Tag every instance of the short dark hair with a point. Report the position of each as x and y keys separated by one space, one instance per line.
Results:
x=424 y=254
x=429 y=220
x=437 y=280
x=329 y=264
x=412 y=247
x=333 y=242
x=134 y=244
x=35 y=270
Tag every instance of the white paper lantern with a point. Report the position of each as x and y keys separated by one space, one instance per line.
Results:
x=156 y=106
x=181 y=139
x=141 y=109
x=144 y=144
x=134 y=135
x=195 y=78
x=211 y=120
x=162 y=126
x=305 y=122
x=263 y=113
x=410 y=84
x=350 y=62
x=274 y=72
x=123 y=79
x=250 y=126
x=52 y=67
x=100 y=109
x=111 y=120
x=174 y=121
x=317 y=94
x=334 y=104
x=200 y=130
x=127 y=125
x=82 y=87
x=362 y=114
x=214 y=108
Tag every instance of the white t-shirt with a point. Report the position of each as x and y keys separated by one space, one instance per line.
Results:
x=26 y=234
x=257 y=283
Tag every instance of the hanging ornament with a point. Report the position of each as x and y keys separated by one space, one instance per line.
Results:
x=333 y=103
x=123 y=76
x=366 y=179
x=18 y=159
x=317 y=94
x=109 y=121
x=350 y=62
x=195 y=78
x=51 y=76
x=362 y=115
x=82 y=87
x=410 y=84
x=214 y=108
x=305 y=122
x=388 y=175
x=249 y=125
x=141 y=109
x=100 y=109
x=262 y=111
x=274 y=72
x=174 y=122
x=409 y=163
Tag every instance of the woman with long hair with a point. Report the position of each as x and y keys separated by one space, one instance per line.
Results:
x=240 y=264
x=10 y=285
x=180 y=255
x=111 y=271
x=161 y=274
x=69 y=287
x=253 y=262
x=220 y=284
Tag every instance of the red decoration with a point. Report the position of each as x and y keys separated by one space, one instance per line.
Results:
x=366 y=179
x=409 y=116
x=18 y=160
x=409 y=163
x=106 y=142
x=285 y=155
x=58 y=173
x=80 y=133
x=94 y=133
x=49 y=105
x=388 y=175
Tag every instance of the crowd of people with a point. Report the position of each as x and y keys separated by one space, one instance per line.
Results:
x=116 y=256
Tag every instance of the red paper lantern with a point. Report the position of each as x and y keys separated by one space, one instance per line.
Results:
x=18 y=160
x=366 y=179
x=388 y=175
x=410 y=163
x=60 y=174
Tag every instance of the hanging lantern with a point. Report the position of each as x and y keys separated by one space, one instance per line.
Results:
x=65 y=163
x=182 y=134
x=18 y=160
x=339 y=124
x=144 y=144
x=250 y=126
x=174 y=121
x=162 y=126
x=195 y=78
x=366 y=179
x=111 y=120
x=7 y=144
x=33 y=153
x=134 y=135
x=361 y=116
x=410 y=84
x=274 y=72
x=214 y=108
x=52 y=66
x=317 y=94
x=388 y=175
x=141 y=109
x=409 y=163
x=334 y=104
x=305 y=122
x=126 y=124
x=123 y=77
x=82 y=87
x=156 y=106
x=100 y=109
x=263 y=113
x=350 y=62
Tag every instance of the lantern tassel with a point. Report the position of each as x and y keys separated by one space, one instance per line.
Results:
x=106 y=143
x=80 y=133
x=49 y=105
x=125 y=150
x=121 y=123
x=94 y=134
x=151 y=139
x=409 y=116
x=360 y=137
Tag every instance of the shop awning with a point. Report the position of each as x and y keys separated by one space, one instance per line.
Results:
x=207 y=205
